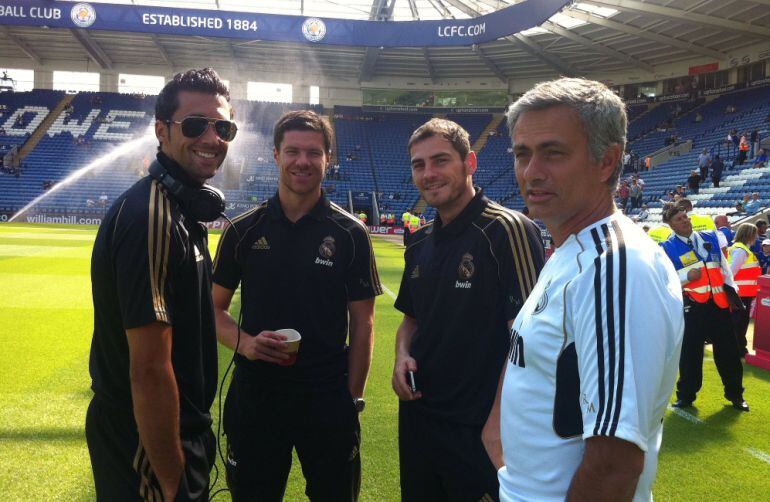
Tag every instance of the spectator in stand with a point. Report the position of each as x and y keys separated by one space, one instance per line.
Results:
x=753 y=205
x=732 y=142
x=754 y=142
x=103 y=200
x=698 y=117
x=743 y=150
x=622 y=193
x=626 y=161
x=739 y=210
x=717 y=166
x=756 y=246
x=723 y=225
x=693 y=182
x=383 y=219
x=761 y=159
x=704 y=159
x=635 y=194
x=764 y=256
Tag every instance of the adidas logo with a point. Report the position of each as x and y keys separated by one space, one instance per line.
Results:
x=416 y=272
x=260 y=243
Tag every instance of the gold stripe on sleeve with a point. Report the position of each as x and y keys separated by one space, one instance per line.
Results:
x=158 y=245
x=166 y=247
x=522 y=254
x=374 y=277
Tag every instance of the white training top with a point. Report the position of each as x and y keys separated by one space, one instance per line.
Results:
x=594 y=352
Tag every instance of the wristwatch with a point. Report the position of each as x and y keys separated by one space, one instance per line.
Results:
x=359 y=404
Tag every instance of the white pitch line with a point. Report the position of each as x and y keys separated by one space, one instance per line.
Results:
x=388 y=292
x=754 y=452
x=758 y=454
x=687 y=416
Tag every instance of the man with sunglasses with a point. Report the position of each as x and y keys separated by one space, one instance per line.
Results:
x=303 y=263
x=154 y=355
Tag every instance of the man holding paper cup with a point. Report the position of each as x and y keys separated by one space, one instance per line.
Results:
x=308 y=282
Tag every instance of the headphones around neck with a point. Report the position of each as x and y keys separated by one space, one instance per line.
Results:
x=205 y=204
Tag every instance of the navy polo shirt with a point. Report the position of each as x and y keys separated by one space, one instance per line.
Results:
x=462 y=283
x=298 y=275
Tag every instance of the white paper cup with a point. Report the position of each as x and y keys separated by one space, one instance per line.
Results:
x=292 y=341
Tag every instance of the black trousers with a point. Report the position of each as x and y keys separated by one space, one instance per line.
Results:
x=741 y=321
x=264 y=424
x=702 y=320
x=121 y=468
x=443 y=461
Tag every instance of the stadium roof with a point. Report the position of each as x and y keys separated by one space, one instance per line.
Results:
x=589 y=37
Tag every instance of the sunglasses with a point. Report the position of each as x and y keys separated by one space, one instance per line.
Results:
x=193 y=127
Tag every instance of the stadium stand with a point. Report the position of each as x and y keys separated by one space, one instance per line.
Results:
x=753 y=106
x=370 y=153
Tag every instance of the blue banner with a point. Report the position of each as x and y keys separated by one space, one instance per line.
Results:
x=251 y=26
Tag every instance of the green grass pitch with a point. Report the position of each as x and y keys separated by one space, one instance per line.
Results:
x=715 y=453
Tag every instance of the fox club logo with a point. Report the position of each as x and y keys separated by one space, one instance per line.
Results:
x=83 y=15
x=314 y=29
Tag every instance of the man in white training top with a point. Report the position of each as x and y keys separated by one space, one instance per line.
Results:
x=594 y=350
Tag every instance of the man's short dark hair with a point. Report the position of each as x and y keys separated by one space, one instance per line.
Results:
x=685 y=204
x=450 y=131
x=303 y=120
x=204 y=80
x=671 y=210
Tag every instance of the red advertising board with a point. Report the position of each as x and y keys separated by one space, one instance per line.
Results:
x=704 y=68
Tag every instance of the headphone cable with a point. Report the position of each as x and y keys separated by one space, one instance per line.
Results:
x=224 y=378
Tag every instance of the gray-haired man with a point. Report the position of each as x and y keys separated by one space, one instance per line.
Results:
x=586 y=384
